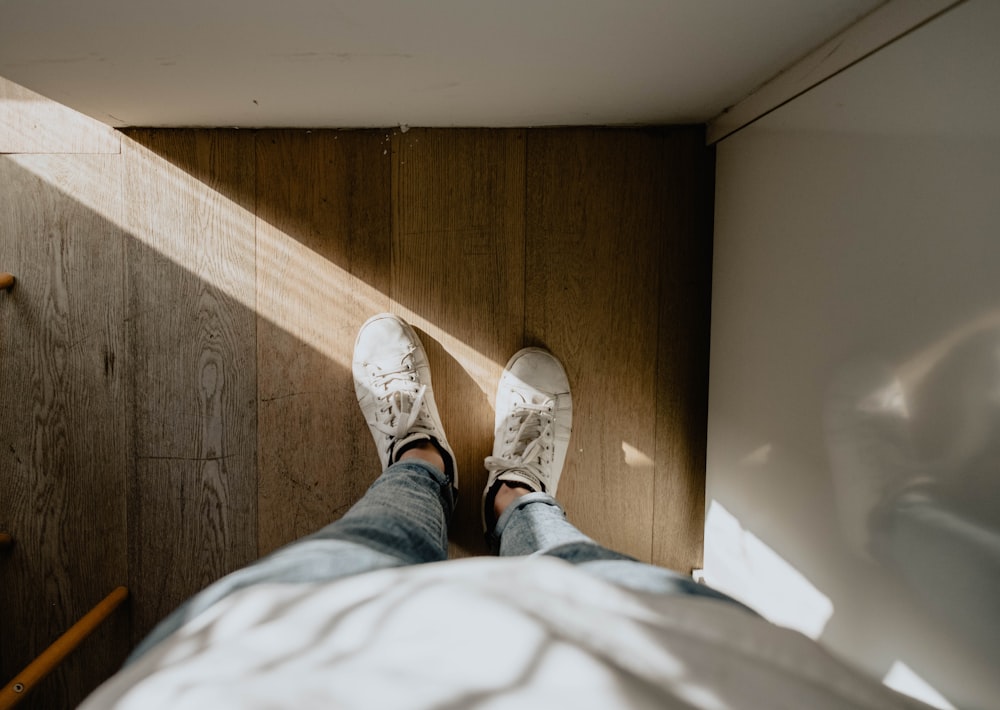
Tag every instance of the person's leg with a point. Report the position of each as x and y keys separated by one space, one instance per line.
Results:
x=533 y=523
x=402 y=518
x=520 y=514
x=405 y=513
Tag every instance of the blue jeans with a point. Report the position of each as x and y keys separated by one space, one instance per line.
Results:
x=403 y=520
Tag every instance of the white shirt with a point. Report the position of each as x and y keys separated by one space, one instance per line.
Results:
x=489 y=633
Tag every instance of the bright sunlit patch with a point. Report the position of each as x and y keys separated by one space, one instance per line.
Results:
x=635 y=458
x=901 y=678
x=738 y=563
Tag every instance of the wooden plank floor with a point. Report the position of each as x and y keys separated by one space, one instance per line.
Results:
x=458 y=274
x=323 y=266
x=63 y=393
x=191 y=331
x=175 y=391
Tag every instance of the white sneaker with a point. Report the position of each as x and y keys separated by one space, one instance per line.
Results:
x=534 y=418
x=392 y=379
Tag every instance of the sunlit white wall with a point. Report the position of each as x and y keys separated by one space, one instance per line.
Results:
x=854 y=416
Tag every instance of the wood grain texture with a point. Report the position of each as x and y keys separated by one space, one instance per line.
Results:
x=458 y=276
x=595 y=220
x=191 y=335
x=683 y=349
x=62 y=415
x=31 y=123
x=323 y=267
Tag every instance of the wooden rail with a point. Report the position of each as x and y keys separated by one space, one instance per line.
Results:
x=26 y=680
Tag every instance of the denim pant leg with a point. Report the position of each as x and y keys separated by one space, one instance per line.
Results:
x=401 y=520
x=535 y=524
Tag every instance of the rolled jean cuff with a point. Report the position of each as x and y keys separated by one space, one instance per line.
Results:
x=504 y=519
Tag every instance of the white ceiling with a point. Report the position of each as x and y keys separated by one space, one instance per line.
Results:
x=353 y=63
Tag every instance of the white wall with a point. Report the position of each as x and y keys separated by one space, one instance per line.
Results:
x=854 y=416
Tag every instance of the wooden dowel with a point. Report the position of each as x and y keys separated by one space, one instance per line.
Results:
x=5 y=541
x=27 y=679
x=7 y=282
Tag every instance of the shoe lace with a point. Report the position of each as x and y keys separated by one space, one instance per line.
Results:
x=400 y=399
x=527 y=440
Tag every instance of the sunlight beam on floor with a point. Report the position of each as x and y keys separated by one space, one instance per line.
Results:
x=309 y=282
